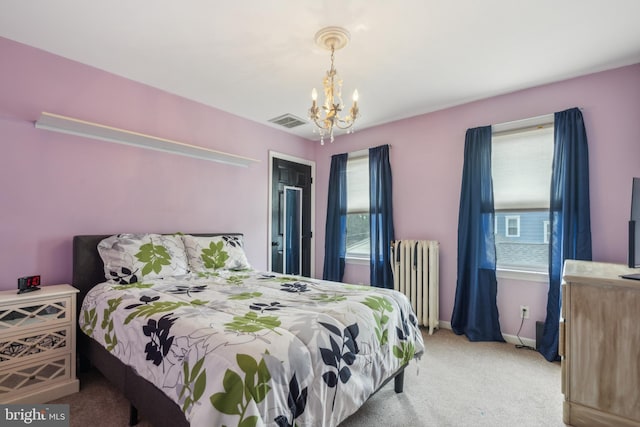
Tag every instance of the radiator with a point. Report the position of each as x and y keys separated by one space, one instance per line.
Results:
x=415 y=274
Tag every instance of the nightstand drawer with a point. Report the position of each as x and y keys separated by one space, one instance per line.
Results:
x=24 y=378
x=35 y=313
x=42 y=343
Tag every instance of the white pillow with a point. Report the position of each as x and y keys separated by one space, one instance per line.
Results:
x=130 y=258
x=206 y=254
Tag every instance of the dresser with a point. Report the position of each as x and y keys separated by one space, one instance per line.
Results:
x=38 y=344
x=600 y=345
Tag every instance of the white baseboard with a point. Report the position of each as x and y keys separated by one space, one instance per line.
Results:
x=445 y=325
x=511 y=339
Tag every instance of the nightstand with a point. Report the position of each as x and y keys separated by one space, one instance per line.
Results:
x=38 y=344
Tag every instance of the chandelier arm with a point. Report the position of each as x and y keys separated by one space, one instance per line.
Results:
x=349 y=124
x=321 y=126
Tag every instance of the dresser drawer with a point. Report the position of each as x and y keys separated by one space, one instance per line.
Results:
x=35 y=314
x=39 y=343
x=26 y=377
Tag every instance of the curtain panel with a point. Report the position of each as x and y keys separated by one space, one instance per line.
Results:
x=569 y=215
x=336 y=225
x=475 y=312
x=380 y=216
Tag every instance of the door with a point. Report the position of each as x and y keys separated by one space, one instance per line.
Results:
x=291 y=217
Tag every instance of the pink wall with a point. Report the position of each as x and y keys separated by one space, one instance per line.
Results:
x=427 y=157
x=54 y=186
x=80 y=186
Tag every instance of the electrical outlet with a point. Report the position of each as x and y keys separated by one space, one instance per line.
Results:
x=524 y=311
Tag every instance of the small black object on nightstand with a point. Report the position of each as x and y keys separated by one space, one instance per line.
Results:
x=28 y=284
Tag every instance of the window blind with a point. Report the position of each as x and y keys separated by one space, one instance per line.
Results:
x=358 y=184
x=521 y=169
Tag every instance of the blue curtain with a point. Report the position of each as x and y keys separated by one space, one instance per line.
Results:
x=569 y=212
x=380 y=216
x=336 y=225
x=475 y=312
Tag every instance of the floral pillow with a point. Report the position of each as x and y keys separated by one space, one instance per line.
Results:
x=131 y=258
x=213 y=253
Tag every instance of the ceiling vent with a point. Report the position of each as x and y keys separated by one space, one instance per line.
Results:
x=288 y=120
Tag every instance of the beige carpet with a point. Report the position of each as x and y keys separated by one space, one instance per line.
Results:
x=456 y=383
x=460 y=383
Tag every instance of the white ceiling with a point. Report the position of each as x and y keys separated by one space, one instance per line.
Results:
x=257 y=58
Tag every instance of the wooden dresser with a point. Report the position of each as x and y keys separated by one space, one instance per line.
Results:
x=38 y=344
x=600 y=345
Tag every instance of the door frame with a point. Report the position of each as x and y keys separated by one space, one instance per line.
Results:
x=312 y=164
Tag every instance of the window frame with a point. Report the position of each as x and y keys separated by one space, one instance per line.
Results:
x=524 y=272
x=507 y=227
x=357 y=257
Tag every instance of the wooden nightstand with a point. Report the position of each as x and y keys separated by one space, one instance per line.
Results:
x=38 y=344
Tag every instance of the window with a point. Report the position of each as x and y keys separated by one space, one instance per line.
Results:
x=522 y=157
x=358 y=234
x=512 y=226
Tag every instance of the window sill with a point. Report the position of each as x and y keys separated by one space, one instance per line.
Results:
x=357 y=260
x=529 y=276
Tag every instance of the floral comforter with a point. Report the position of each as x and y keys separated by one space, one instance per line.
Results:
x=251 y=349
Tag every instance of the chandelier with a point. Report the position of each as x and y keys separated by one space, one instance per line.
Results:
x=328 y=117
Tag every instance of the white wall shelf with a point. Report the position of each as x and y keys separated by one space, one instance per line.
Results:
x=73 y=126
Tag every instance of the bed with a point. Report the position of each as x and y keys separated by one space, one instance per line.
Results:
x=192 y=335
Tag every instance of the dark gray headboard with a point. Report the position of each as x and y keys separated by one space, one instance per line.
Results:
x=88 y=269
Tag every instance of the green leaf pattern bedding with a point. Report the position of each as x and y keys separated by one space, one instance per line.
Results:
x=250 y=349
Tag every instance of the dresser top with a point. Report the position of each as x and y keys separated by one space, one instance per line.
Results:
x=599 y=273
